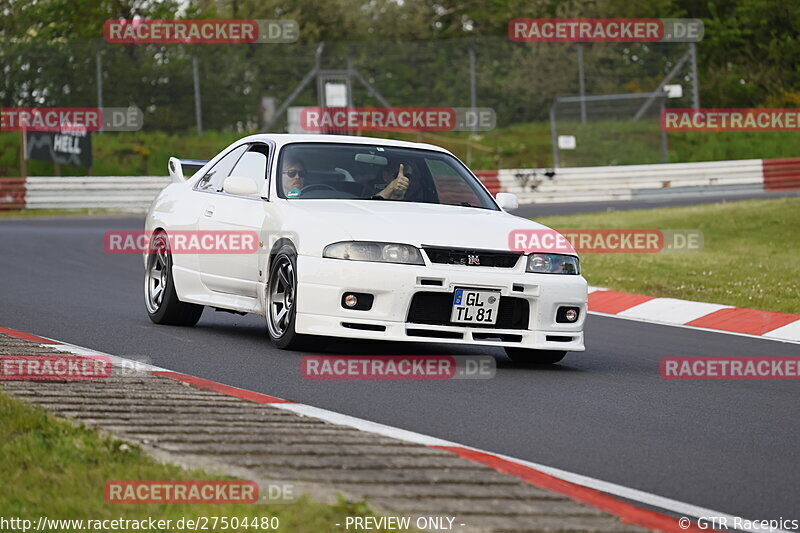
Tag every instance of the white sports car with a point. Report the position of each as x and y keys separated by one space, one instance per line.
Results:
x=362 y=238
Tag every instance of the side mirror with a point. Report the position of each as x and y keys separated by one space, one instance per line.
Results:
x=506 y=200
x=240 y=186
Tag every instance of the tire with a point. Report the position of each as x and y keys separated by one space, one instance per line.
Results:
x=281 y=308
x=534 y=357
x=160 y=299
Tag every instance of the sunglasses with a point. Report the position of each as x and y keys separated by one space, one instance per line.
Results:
x=293 y=173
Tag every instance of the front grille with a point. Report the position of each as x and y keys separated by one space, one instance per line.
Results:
x=469 y=257
x=502 y=337
x=435 y=307
x=434 y=333
x=365 y=327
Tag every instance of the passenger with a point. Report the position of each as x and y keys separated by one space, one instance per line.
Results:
x=396 y=181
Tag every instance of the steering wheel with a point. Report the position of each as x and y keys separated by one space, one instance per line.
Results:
x=314 y=186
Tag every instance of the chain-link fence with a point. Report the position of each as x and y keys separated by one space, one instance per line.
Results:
x=225 y=87
x=613 y=129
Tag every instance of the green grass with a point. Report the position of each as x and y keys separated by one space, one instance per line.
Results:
x=53 y=468
x=606 y=143
x=524 y=145
x=751 y=256
x=122 y=153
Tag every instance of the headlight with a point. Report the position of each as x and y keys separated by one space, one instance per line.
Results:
x=553 y=264
x=381 y=252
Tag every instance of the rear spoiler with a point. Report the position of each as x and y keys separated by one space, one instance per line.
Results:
x=176 y=167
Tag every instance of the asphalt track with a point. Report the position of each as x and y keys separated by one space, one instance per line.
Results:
x=574 y=208
x=731 y=446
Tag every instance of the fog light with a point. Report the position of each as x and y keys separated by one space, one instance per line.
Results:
x=568 y=314
x=357 y=301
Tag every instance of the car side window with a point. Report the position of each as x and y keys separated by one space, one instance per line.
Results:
x=450 y=188
x=253 y=165
x=212 y=181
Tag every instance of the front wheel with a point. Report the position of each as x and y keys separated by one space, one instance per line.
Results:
x=160 y=298
x=282 y=299
x=534 y=357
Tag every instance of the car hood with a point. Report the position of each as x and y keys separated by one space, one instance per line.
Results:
x=406 y=222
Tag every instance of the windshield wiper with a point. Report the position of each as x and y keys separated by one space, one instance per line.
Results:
x=376 y=197
x=467 y=204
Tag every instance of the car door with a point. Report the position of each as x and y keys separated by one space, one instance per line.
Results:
x=200 y=198
x=237 y=273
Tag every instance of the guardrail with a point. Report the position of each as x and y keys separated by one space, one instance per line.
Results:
x=12 y=193
x=134 y=193
x=531 y=185
x=781 y=174
x=636 y=182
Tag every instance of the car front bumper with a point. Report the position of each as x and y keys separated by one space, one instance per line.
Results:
x=323 y=282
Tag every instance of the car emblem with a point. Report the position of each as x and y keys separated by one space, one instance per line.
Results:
x=473 y=260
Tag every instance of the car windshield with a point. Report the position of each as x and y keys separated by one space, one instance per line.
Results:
x=379 y=173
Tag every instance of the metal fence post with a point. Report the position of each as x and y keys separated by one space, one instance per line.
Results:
x=99 y=74
x=198 y=114
x=553 y=134
x=695 y=80
x=23 y=153
x=581 y=84
x=663 y=132
x=473 y=101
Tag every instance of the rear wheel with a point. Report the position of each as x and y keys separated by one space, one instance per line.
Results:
x=534 y=357
x=282 y=299
x=160 y=298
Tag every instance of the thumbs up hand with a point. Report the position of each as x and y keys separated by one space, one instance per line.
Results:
x=396 y=189
x=399 y=184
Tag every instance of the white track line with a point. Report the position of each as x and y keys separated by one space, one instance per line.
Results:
x=671 y=310
x=789 y=331
x=653 y=500
x=363 y=425
x=677 y=312
x=706 y=330
x=115 y=359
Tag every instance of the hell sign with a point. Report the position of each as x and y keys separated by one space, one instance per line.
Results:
x=71 y=146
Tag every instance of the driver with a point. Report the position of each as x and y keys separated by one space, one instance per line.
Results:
x=293 y=174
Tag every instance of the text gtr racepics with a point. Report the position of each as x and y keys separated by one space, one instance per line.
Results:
x=362 y=238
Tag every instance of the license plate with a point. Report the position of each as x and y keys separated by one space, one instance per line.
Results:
x=475 y=307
